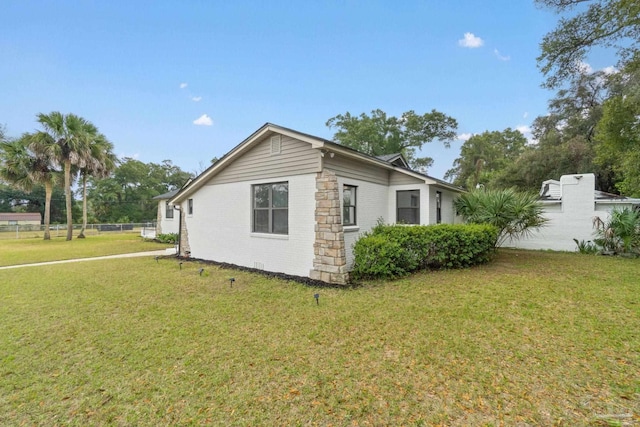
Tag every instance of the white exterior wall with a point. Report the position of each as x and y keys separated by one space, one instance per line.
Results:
x=168 y=225
x=447 y=211
x=371 y=205
x=424 y=201
x=220 y=227
x=570 y=219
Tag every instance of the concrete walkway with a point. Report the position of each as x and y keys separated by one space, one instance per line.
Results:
x=64 y=261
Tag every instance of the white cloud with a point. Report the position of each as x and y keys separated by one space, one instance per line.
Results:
x=464 y=136
x=525 y=115
x=470 y=41
x=203 y=120
x=584 y=68
x=196 y=98
x=501 y=57
x=610 y=70
x=183 y=85
x=524 y=129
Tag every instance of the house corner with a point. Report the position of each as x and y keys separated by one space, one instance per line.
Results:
x=330 y=261
x=185 y=249
x=159 y=220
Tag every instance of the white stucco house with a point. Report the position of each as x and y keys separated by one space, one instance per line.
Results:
x=288 y=202
x=167 y=218
x=571 y=204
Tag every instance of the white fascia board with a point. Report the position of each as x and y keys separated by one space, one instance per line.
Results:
x=358 y=156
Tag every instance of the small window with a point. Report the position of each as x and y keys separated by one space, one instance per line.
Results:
x=271 y=208
x=408 y=207
x=276 y=144
x=438 y=207
x=190 y=207
x=168 y=211
x=349 y=205
x=13 y=222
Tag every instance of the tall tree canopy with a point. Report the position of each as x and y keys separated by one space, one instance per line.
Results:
x=564 y=142
x=618 y=132
x=13 y=199
x=485 y=156
x=378 y=134
x=127 y=195
x=605 y=23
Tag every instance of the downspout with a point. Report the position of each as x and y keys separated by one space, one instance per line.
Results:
x=179 y=229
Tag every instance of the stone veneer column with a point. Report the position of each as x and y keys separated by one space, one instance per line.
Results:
x=159 y=220
x=330 y=261
x=185 y=249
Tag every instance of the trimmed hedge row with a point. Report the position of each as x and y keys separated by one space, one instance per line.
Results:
x=389 y=251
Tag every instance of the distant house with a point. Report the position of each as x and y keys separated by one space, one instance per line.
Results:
x=22 y=218
x=167 y=220
x=571 y=204
x=285 y=201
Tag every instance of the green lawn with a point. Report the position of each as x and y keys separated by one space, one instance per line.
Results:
x=534 y=338
x=27 y=251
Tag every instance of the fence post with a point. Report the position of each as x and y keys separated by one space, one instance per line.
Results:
x=17 y=231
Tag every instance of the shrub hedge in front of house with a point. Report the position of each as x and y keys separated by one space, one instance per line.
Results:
x=390 y=251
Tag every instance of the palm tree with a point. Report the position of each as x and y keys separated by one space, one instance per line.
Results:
x=99 y=161
x=67 y=139
x=515 y=214
x=24 y=167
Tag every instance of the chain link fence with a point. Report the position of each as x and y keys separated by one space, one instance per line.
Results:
x=27 y=231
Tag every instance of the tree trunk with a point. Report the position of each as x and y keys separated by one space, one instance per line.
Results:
x=48 y=189
x=84 y=207
x=67 y=195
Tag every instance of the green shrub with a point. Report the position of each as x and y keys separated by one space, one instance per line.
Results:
x=167 y=238
x=390 y=251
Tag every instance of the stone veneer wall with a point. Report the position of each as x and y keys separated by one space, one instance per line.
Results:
x=159 y=219
x=185 y=249
x=330 y=262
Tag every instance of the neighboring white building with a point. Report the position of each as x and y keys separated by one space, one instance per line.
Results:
x=571 y=205
x=167 y=218
x=284 y=201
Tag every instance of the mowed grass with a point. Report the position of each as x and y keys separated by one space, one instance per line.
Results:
x=533 y=338
x=28 y=251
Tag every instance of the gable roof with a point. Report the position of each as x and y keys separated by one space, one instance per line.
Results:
x=167 y=195
x=395 y=159
x=316 y=142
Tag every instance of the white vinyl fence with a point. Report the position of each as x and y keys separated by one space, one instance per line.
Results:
x=23 y=231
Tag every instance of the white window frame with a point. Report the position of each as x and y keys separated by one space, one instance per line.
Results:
x=270 y=208
x=416 y=208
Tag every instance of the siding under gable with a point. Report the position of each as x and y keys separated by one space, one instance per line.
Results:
x=398 y=178
x=295 y=158
x=348 y=168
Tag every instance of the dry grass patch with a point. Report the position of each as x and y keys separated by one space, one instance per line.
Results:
x=532 y=339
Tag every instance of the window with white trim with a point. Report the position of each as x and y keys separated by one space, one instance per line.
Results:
x=190 y=207
x=271 y=208
x=408 y=206
x=438 y=207
x=349 y=205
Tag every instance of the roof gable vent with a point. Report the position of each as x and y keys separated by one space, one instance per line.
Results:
x=276 y=144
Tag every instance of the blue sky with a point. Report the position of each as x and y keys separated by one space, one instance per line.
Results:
x=144 y=72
